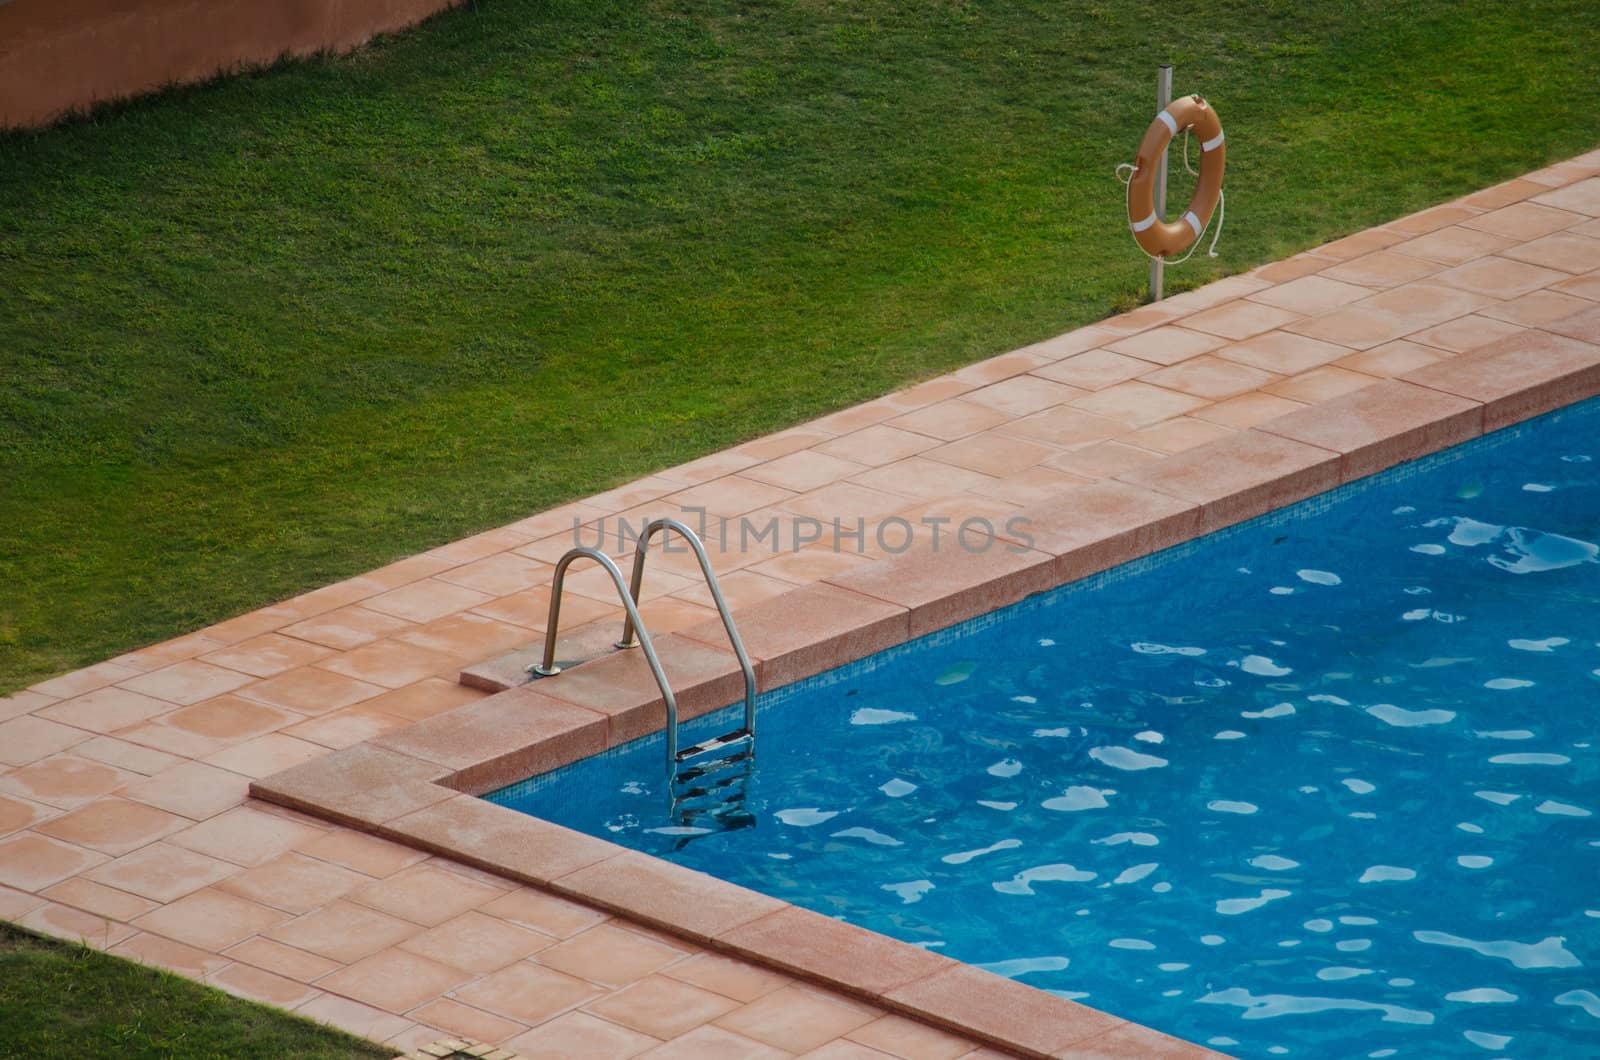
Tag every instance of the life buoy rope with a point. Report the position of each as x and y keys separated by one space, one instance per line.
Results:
x=1158 y=238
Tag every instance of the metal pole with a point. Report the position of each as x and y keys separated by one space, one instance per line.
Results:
x=1163 y=98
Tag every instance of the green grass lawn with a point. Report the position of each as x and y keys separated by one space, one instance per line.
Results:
x=280 y=329
x=72 y=1002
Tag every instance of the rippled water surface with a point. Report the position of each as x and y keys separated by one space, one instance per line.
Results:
x=1324 y=785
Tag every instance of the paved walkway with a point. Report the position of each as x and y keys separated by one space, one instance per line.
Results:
x=122 y=801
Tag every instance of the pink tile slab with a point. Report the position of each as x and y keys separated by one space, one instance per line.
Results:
x=394 y=980
x=210 y=919
x=74 y=925
x=877 y=445
x=18 y=813
x=265 y=755
x=1166 y=345
x=1005 y=1009
x=490 y=836
x=527 y=992
x=991 y=453
x=293 y=883
x=1540 y=307
x=807 y=469
x=390 y=663
x=1137 y=403
x=103 y=710
x=1563 y=251
x=1176 y=435
x=100 y=900
x=1383 y=425
x=1290 y=268
x=580 y=1036
x=1453 y=245
x=1382 y=268
x=1241 y=320
x=1582 y=197
x=784 y=442
x=500 y=574
x=1102 y=459
x=1310 y=294
x=662 y=1007
x=65 y=781
x=1241 y=476
x=1524 y=220
x=971 y=574
x=167 y=652
x=245 y=836
x=187 y=682
x=1022 y=395
x=1246 y=410
x=613 y=954
x=730 y=496
x=1392 y=359
x=162 y=872
x=477 y=942
x=32 y=862
x=1583 y=325
x=361 y=786
x=1093 y=527
x=426 y=600
x=1503 y=194
x=266 y=655
x=804 y=943
x=1031 y=486
x=1320 y=384
x=87 y=679
x=346 y=627
x=949 y=420
x=30 y=738
x=1210 y=377
x=1518 y=377
x=113 y=826
x=1282 y=352
x=1435 y=218
x=1497 y=276
x=1065 y=426
x=308 y=690
x=1093 y=369
x=1465 y=333
x=919 y=478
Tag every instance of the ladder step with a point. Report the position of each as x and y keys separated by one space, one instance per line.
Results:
x=717 y=743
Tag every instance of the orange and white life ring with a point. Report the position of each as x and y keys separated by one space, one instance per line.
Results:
x=1160 y=238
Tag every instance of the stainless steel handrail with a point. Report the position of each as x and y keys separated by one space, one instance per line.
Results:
x=549 y=668
x=637 y=581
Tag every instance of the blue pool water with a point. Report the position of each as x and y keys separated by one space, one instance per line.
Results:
x=1323 y=785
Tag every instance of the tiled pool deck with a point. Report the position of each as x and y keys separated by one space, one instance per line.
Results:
x=124 y=805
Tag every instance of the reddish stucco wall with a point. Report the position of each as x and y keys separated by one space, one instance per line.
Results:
x=61 y=55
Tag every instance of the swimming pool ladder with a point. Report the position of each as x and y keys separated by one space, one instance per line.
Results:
x=688 y=780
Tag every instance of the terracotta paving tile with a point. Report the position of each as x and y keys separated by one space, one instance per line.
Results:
x=1540 y=307
x=282 y=960
x=167 y=652
x=408 y=570
x=662 y=1007
x=1465 y=333
x=251 y=624
x=909 y=1039
x=1523 y=220
x=806 y=566
x=1581 y=197
x=130 y=757
x=328 y=597
x=17 y=814
x=1583 y=326
x=1137 y=404
x=845 y=1049
x=32 y=862
x=611 y=955
x=1499 y=277
x=1241 y=412
x=1022 y=395
x=210 y=919
x=1030 y=486
x=162 y=872
x=15 y=904
x=1143 y=318
x=366 y=854
x=1381 y=269
x=468 y=1022
x=1075 y=341
x=876 y=445
x=1102 y=460
x=1383 y=425
x=1240 y=320
x=528 y=992
x=1519 y=377
x=193 y=789
x=1503 y=194
x=343 y=931
x=1391 y=359
x=346 y=628
x=855 y=418
x=1093 y=369
x=977 y=574
x=797 y=1018
x=530 y=609
x=1133 y=1042
x=229 y=719
x=1433 y=218
x=24 y=702
x=1581 y=286
x=426 y=600
x=85 y=680
x=266 y=655
x=1176 y=435
x=293 y=883
x=741 y=588
x=363 y=1021
x=427 y=895
x=919 y=478
x=103 y=710
x=544 y=912
x=714 y=1043
x=949 y=420
x=1282 y=352
x=1561 y=174
x=802 y=942
x=467 y=637
x=1166 y=345
x=476 y=942
x=346 y=728
x=265 y=755
x=1099 y=525
x=254 y=984
x=74 y=925
x=500 y=574
x=1006 y=1008
x=990 y=453
x=740 y=980
x=666 y=895
x=579 y=1036
x=807 y=469
x=65 y=781
x=1209 y=377
x=1064 y=426
x=1320 y=384
x=1310 y=294
x=1241 y=476
x=730 y=496
x=1290 y=268
x=782 y=443
x=29 y=738
x=309 y=690
x=1006 y=366
x=173 y=956
x=390 y=663
x=102 y=901
x=113 y=826
x=927 y=393
x=1565 y=251
x=394 y=980
x=1453 y=246
x=187 y=682
x=845 y=502
x=1424 y=304
x=245 y=836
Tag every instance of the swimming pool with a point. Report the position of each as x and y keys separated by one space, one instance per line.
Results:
x=1319 y=785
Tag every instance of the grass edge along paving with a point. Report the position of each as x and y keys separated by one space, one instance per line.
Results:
x=277 y=330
